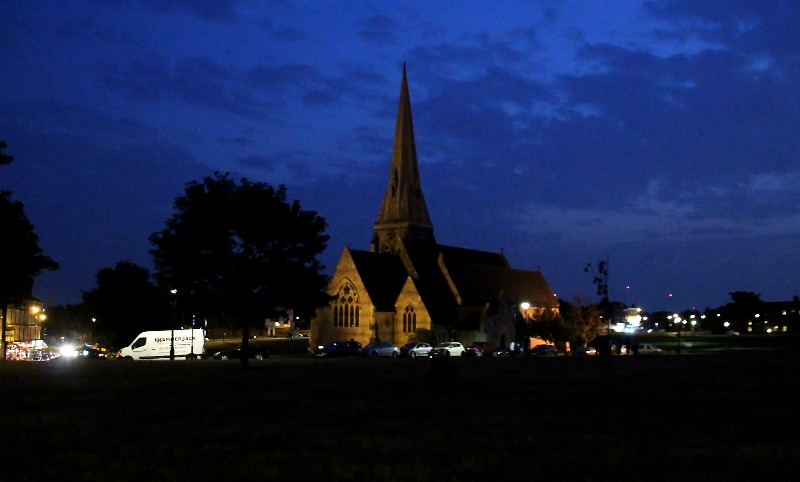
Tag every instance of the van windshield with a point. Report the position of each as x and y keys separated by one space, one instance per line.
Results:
x=139 y=343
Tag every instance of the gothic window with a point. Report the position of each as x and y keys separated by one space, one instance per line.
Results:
x=409 y=319
x=345 y=306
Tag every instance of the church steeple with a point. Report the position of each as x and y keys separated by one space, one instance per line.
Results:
x=403 y=215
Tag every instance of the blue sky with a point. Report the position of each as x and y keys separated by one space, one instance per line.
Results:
x=660 y=135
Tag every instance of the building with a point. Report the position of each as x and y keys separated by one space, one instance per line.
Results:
x=407 y=281
x=22 y=328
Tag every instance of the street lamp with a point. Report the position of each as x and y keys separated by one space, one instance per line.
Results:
x=172 y=328
x=525 y=306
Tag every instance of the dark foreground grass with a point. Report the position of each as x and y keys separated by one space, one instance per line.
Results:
x=721 y=417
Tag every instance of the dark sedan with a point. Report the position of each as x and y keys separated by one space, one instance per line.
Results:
x=252 y=352
x=338 y=349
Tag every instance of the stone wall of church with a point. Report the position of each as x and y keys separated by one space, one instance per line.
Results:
x=410 y=314
x=351 y=315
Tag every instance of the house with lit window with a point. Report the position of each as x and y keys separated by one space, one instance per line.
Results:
x=407 y=281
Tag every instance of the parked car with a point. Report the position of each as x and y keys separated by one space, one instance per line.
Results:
x=544 y=350
x=415 y=349
x=90 y=352
x=252 y=352
x=585 y=351
x=449 y=348
x=649 y=349
x=383 y=348
x=339 y=348
x=504 y=351
x=481 y=348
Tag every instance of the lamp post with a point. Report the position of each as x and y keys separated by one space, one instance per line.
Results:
x=525 y=306
x=174 y=318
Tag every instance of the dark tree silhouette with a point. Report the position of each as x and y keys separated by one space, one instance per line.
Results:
x=242 y=252
x=4 y=158
x=21 y=258
x=125 y=303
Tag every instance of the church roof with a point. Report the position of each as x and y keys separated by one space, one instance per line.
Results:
x=383 y=276
x=472 y=256
x=478 y=284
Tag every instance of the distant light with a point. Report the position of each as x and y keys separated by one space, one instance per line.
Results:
x=628 y=287
x=525 y=305
x=670 y=294
x=726 y=324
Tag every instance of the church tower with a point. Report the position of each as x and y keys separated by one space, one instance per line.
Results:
x=403 y=218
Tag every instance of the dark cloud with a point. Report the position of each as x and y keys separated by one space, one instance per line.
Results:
x=747 y=26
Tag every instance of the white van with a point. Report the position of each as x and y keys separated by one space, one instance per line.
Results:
x=155 y=345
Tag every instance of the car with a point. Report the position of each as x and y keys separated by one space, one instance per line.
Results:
x=544 y=350
x=585 y=351
x=481 y=348
x=251 y=352
x=415 y=349
x=448 y=348
x=384 y=349
x=340 y=348
x=89 y=352
x=504 y=351
x=295 y=335
x=649 y=349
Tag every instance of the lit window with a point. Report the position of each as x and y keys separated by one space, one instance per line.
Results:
x=346 y=312
x=409 y=319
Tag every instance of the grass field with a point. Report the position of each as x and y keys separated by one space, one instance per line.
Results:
x=729 y=416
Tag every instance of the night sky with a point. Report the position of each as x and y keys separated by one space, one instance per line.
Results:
x=662 y=136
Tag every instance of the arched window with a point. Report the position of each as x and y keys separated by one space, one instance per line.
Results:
x=409 y=319
x=345 y=306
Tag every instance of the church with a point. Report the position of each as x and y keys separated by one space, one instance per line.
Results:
x=407 y=281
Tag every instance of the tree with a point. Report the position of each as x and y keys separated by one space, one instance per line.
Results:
x=585 y=319
x=4 y=158
x=21 y=258
x=240 y=251
x=745 y=297
x=125 y=303
x=550 y=326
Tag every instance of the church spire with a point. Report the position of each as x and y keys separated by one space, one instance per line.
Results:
x=403 y=215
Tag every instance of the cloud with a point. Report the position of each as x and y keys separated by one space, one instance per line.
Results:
x=662 y=214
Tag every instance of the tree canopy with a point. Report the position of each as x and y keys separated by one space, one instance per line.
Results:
x=241 y=251
x=125 y=303
x=21 y=258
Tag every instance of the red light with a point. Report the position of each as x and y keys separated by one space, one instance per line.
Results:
x=670 y=294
